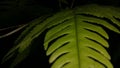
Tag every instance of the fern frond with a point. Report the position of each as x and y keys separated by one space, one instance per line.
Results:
x=103 y=12
x=76 y=39
x=23 y=43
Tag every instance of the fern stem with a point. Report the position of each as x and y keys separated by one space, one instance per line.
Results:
x=60 y=6
x=72 y=4
x=14 y=31
x=2 y=29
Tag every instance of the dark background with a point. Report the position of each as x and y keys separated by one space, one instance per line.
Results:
x=15 y=12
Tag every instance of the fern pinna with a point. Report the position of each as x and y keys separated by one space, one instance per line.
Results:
x=75 y=38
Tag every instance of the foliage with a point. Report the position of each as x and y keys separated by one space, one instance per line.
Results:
x=66 y=37
x=74 y=37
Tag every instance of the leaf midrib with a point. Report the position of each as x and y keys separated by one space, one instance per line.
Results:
x=76 y=37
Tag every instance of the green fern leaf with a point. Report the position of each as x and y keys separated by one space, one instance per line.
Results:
x=103 y=12
x=24 y=41
x=76 y=39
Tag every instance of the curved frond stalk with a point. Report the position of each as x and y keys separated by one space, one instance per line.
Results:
x=72 y=3
x=12 y=32
x=76 y=39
